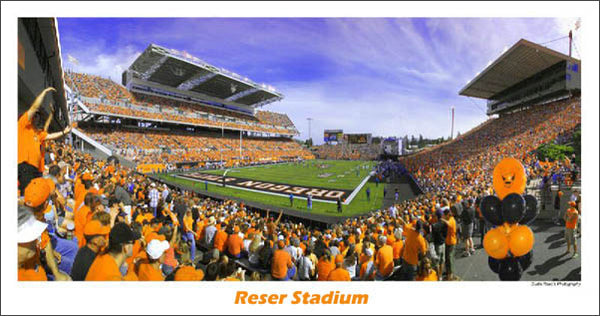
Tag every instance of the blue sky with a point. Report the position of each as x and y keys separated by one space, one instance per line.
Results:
x=386 y=76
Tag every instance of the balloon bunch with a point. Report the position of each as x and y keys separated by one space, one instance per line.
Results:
x=509 y=244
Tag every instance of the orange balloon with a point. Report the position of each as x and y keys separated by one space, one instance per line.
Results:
x=520 y=240
x=509 y=177
x=495 y=243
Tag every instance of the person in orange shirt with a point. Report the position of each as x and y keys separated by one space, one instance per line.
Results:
x=450 y=242
x=36 y=197
x=397 y=247
x=384 y=259
x=31 y=138
x=235 y=243
x=96 y=235
x=339 y=273
x=149 y=269
x=188 y=273
x=29 y=231
x=324 y=266
x=282 y=268
x=220 y=239
x=367 y=268
x=189 y=235
x=571 y=217
x=106 y=267
x=415 y=249
x=426 y=273
x=83 y=215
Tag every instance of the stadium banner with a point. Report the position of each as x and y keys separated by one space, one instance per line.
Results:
x=284 y=189
x=358 y=138
x=333 y=135
x=193 y=164
x=149 y=168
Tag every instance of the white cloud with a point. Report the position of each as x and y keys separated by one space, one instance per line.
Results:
x=108 y=65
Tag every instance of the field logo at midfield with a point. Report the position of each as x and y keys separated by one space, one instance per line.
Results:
x=318 y=193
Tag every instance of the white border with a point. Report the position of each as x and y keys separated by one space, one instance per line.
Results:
x=386 y=297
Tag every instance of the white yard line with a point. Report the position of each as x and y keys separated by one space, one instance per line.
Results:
x=356 y=190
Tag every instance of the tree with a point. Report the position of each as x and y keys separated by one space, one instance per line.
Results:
x=309 y=143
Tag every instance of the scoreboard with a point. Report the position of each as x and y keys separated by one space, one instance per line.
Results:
x=333 y=135
x=359 y=138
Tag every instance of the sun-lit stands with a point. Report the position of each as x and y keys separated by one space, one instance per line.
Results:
x=348 y=151
x=466 y=163
x=276 y=119
x=170 y=147
x=110 y=97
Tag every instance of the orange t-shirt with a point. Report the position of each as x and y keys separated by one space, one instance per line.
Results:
x=32 y=270
x=80 y=220
x=235 y=244
x=281 y=261
x=324 y=267
x=146 y=272
x=363 y=270
x=397 y=248
x=451 y=235
x=339 y=274
x=220 y=239
x=432 y=276
x=574 y=215
x=30 y=143
x=104 y=268
x=385 y=260
x=188 y=223
x=415 y=244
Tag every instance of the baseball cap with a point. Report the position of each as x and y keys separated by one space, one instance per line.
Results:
x=156 y=248
x=28 y=228
x=121 y=233
x=94 y=227
x=38 y=191
x=339 y=259
x=87 y=176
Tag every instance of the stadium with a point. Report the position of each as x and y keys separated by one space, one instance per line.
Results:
x=181 y=163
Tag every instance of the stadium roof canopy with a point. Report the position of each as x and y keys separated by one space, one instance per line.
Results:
x=185 y=72
x=521 y=61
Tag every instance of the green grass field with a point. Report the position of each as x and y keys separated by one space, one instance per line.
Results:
x=306 y=174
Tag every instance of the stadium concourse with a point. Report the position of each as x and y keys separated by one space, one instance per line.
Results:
x=98 y=220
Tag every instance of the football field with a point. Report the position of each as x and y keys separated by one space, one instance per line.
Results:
x=325 y=180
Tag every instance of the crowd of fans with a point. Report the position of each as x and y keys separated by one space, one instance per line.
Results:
x=87 y=219
x=468 y=161
x=168 y=147
x=110 y=97
x=346 y=151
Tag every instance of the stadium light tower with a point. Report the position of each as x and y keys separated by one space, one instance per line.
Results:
x=309 y=120
x=452 y=128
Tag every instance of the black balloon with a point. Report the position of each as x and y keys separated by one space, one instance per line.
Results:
x=531 y=210
x=513 y=208
x=494 y=264
x=510 y=270
x=526 y=260
x=491 y=209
